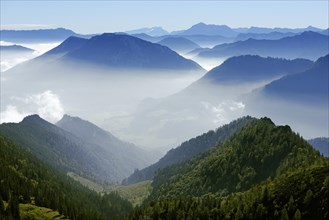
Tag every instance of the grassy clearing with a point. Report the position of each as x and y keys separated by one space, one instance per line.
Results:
x=134 y=193
x=29 y=212
x=85 y=182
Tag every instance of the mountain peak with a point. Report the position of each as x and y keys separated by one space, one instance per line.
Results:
x=210 y=29
x=33 y=118
x=70 y=44
x=253 y=67
x=200 y=24
x=126 y=51
x=152 y=31
x=84 y=127
x=67 y=117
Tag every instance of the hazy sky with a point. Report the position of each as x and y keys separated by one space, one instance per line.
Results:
x=110 y=16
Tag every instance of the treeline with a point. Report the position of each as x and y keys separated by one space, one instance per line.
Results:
x=262 y=171
x=188 y=149
x=303 y=194
x=258 y=151
x=25 y=179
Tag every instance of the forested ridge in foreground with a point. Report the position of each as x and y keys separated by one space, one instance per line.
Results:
x=25 y=179
x=260 y=171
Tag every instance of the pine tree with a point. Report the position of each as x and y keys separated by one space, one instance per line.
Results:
x=2 y=207
x=284 y=214
x=308 y=198
x=13 y=207
x=297 y=215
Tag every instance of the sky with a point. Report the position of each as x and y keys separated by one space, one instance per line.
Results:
x=88 y=17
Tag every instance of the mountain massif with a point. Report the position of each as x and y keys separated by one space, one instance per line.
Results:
x=124 y=51
x=208 y=29
x=127 y=156
x=309 y=86
x=251 y=175
x=187 y=150
x=109 y=51
x=37 y=36
x=252 y=68
x=96 y=160
x=28 y=181
x=15 y=49
x=254 y=169
x=249 y=168
x=308 y=45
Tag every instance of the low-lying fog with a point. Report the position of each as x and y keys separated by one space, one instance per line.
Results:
x=9 y=60
x=147 y=108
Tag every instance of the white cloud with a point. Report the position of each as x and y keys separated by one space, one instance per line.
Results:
x=11 y=114
x=224 y=112
x=49 y=105
x=46 y=104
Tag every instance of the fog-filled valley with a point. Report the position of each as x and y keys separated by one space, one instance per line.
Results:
x=207 y=122
x=148 y=104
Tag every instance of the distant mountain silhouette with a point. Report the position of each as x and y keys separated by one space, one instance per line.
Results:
x=249 y=68
x=109 y=51
x=264 y=36
x=42 y=35
x=147 y=37
x=309 y=45
x=310 y=86
x=179 y=44
x=208 y=29
x=15 y=49
x=321 y=144
x=153 y=31
x=262 y=30
x=13 y=55
x=124 y=51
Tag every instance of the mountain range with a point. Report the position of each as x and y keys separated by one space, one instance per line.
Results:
x=37 y=36
x=255 y=167
x=128 y=156
x=31 y=189
x=208 y=29
x=207 y=102
x=264 y=30
x=253 y=68
x=71 y=150
x=153 y=31
x=252 y=161
x=264 y=36
x=309 y=86
x=246 y=158
x=309 y=45
x=128 y=52
x=113 y=51
x=15 y=49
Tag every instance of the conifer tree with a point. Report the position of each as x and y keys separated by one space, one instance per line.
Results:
x=13 y=207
